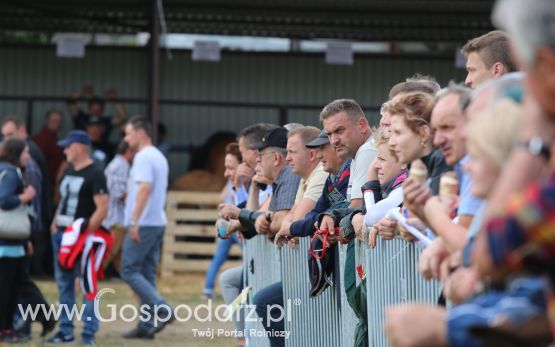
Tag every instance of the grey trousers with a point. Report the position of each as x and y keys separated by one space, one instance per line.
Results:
x=231 y=282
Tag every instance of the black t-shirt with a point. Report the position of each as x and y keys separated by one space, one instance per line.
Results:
x=77 y=191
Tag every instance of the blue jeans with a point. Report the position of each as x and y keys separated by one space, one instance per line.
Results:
x=271 y=295
x=66 y=288
x=138 y=267
x=221 y=255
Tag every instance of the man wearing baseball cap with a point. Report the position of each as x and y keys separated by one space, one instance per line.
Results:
x=271 y=158
x=83 y=194
x=272 y=153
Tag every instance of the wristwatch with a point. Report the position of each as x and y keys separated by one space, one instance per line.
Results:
x=536 y=146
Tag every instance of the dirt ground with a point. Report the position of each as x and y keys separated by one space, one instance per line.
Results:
x=184 y=289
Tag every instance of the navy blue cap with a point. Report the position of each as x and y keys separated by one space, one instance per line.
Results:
x=75 y=136
x=276 y=137
x=322 y=139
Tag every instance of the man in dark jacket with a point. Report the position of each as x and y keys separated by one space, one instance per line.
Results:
x=335 y=188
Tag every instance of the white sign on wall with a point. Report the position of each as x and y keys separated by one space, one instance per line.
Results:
x=206 y=51
x=70 y=46
x=339 y=53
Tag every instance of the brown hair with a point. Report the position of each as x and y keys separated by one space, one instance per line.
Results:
x=492 y=47
x=17 y=121
x=233 y=149
x=349 y=106
x=417 y=83
x=306 y=133
x=415 y=108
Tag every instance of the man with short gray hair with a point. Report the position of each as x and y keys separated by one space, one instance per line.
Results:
x=351 y=137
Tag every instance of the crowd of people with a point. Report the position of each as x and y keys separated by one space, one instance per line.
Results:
x=469 y=165
x=88 y=203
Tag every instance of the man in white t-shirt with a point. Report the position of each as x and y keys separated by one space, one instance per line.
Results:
x=351 y=136
x=146 y=222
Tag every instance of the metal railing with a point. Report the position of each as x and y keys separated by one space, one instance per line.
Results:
x=393 y=278
x=314 y=321
x=348 y=318
x=261 y=266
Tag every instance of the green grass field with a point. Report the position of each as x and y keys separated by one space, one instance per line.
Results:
x=184 y=290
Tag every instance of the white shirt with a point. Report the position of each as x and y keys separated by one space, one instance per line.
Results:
x=149 y=165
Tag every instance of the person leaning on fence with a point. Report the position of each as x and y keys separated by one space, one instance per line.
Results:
x=146 y=221
x=525 y=224
x=247 y=175
x=515 y=316
x=386 y=164
x=252 y=190
x=411 y=138
x=334 y=192
x=273 y=166
x=449 y=122
x=351 y=137
x=231 y=162
x=305 y=163
x=511 y=241
x=385 y=176
x=271 y=157
x=83 y=194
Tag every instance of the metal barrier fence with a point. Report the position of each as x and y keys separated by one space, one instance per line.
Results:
x=391 y=274
x=393 y=278
x=314 y=321
x=348 y=318
x=261 y=266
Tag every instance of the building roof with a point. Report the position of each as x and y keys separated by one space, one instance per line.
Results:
x=357 y=20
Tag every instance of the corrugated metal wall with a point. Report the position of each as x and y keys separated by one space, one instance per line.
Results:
x=261 y=78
